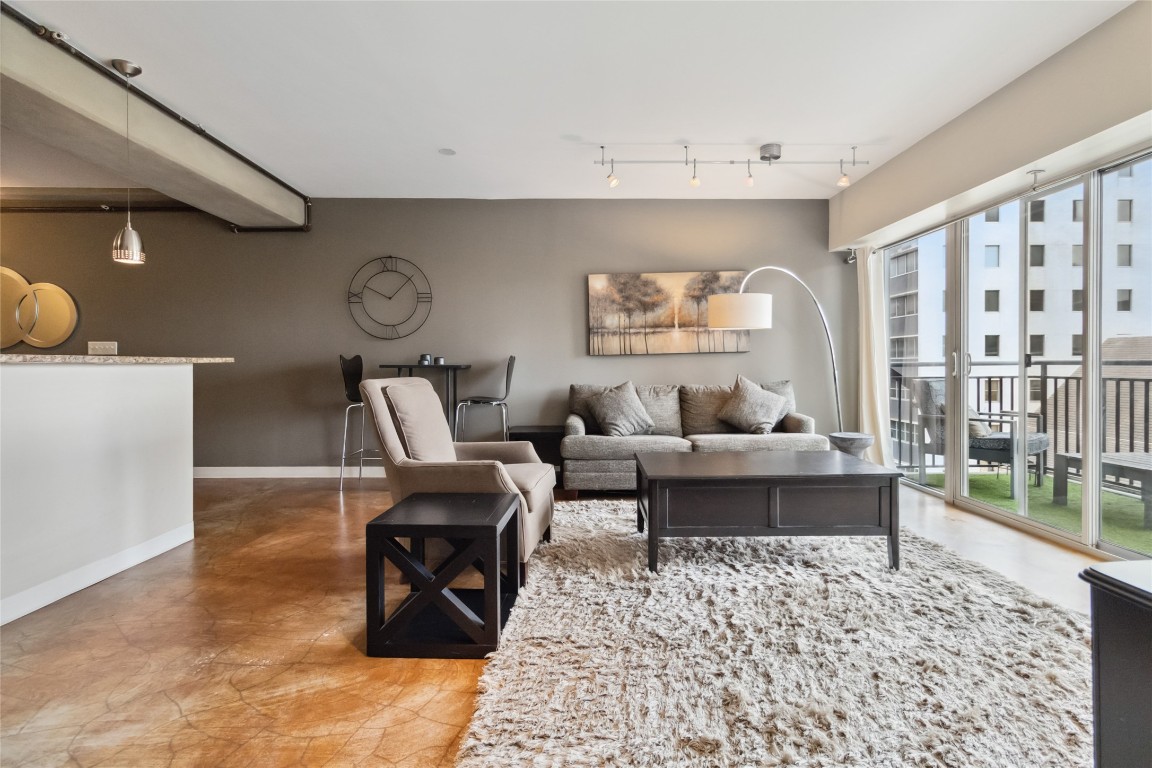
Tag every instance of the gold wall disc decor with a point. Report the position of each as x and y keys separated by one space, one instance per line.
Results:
x=41 y=314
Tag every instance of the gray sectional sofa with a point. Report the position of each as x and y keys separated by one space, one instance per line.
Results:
x=684 y=418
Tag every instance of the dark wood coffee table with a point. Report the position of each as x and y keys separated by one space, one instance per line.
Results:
x=766 y=493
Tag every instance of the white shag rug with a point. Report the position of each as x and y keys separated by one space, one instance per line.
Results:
x=776 y=651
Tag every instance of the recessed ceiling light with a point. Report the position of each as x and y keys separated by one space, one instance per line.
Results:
x=447 y=151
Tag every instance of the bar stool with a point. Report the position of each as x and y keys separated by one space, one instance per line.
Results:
x=500 y=402
x=352 y=369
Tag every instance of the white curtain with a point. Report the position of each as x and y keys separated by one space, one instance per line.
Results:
x=873 y=390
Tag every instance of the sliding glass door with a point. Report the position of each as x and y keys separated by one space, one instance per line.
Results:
x=1021 y=359
x=1125 y=312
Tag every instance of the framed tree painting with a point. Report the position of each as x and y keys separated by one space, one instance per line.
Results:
x=659 y=313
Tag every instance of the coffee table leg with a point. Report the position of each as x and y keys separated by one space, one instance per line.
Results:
x=655 y=515
x=894 y=551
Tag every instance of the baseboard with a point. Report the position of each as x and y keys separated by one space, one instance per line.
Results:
x=35 y=598
x=276 y=472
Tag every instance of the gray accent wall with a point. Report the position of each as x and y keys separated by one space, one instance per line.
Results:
x=508 y=277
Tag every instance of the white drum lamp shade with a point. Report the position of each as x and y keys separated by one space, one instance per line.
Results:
x=739 y=311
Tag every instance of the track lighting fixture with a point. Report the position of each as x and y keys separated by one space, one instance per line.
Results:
x=613 y=181
x=127 y=247
x=769 y=155
x=844 y=180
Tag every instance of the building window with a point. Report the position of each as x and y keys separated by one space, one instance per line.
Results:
x=991 y=301
x=1077 y=255
x=904 y=347
x=1036 y=300
x=1123 y=210
x=992 y=391
x=1077 y=210
x=1035 y=255
x=1036 y=210
x=902 y=306
x=1036 y=344
x=1077 y=300
x=1124 y=255
x=903 y=263
x=1077 y=344
x=991 y=256
x=992 y=346
x=1035 y=393
x=1124 y=300
x=992 y=214
x=1125 y=172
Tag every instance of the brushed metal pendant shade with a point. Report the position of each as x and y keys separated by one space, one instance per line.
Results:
x=127 y=248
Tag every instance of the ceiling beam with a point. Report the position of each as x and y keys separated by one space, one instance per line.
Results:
x=61 y=97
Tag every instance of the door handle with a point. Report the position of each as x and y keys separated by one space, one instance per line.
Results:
x=955 y=365
x=967 y=363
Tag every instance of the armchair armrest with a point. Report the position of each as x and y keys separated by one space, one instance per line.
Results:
x=453 y=477
x=574 y=425
x=799 y=423
x=515 y=452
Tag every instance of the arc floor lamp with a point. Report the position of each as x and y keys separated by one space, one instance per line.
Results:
x=750 y=311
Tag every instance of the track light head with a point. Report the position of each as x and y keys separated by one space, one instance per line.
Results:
x=694 y=182
x=748 y=180
x=613 y=182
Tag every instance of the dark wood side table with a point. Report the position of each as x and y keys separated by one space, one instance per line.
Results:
x=545 y=438
x=436 y=620
x=1121 y=662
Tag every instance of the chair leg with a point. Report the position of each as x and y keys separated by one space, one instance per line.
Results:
x=363 y=416
x=460 y=408
x=504 y=418
x=344 y=442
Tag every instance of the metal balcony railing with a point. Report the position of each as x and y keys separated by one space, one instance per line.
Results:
x=1055 y=395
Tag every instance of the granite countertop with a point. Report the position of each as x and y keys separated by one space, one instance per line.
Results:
x=112 y=359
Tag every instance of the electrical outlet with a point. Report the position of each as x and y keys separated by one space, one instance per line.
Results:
x=102 y=348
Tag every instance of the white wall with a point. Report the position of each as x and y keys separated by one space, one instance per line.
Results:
x=1091 y=100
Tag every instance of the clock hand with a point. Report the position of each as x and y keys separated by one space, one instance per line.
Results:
x=398 y=289
x=378 y=293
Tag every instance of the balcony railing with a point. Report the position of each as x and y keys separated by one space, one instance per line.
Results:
x=1055 y=395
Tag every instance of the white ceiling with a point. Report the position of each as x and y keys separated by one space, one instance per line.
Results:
x=354 y=99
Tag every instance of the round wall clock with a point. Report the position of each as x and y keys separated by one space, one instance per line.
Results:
x=389 y=297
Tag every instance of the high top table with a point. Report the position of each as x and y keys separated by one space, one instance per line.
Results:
x=766 y=493
x=449 y=369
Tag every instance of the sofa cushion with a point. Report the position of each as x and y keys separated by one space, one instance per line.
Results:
x=752 y=408
x=606 y=447
x=620 y=412
x=700 y=406
x=777 y=441
x=662 y=401
x=783 y=387
x=419 y=420
x=579 y=403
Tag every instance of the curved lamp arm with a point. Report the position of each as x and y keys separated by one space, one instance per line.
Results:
x=827 y=332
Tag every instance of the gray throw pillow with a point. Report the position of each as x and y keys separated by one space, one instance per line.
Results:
x=620 y=412
x=753 y=408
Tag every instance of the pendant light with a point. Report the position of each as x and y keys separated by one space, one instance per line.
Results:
x=748 y=180
x=127 y=247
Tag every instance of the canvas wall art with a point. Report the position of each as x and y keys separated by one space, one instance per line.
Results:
x=659 y=313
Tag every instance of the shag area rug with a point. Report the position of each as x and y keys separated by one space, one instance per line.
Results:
x=776 y=651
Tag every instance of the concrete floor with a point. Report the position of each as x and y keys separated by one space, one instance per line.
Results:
x=245 y=646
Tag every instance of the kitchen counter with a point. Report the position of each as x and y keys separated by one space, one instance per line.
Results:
x=96 y=460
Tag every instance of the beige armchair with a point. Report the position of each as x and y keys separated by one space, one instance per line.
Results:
x=420 y=456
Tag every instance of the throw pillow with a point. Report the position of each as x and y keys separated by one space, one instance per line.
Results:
x=620 y=412
x=753 y=408
x=977 y=428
